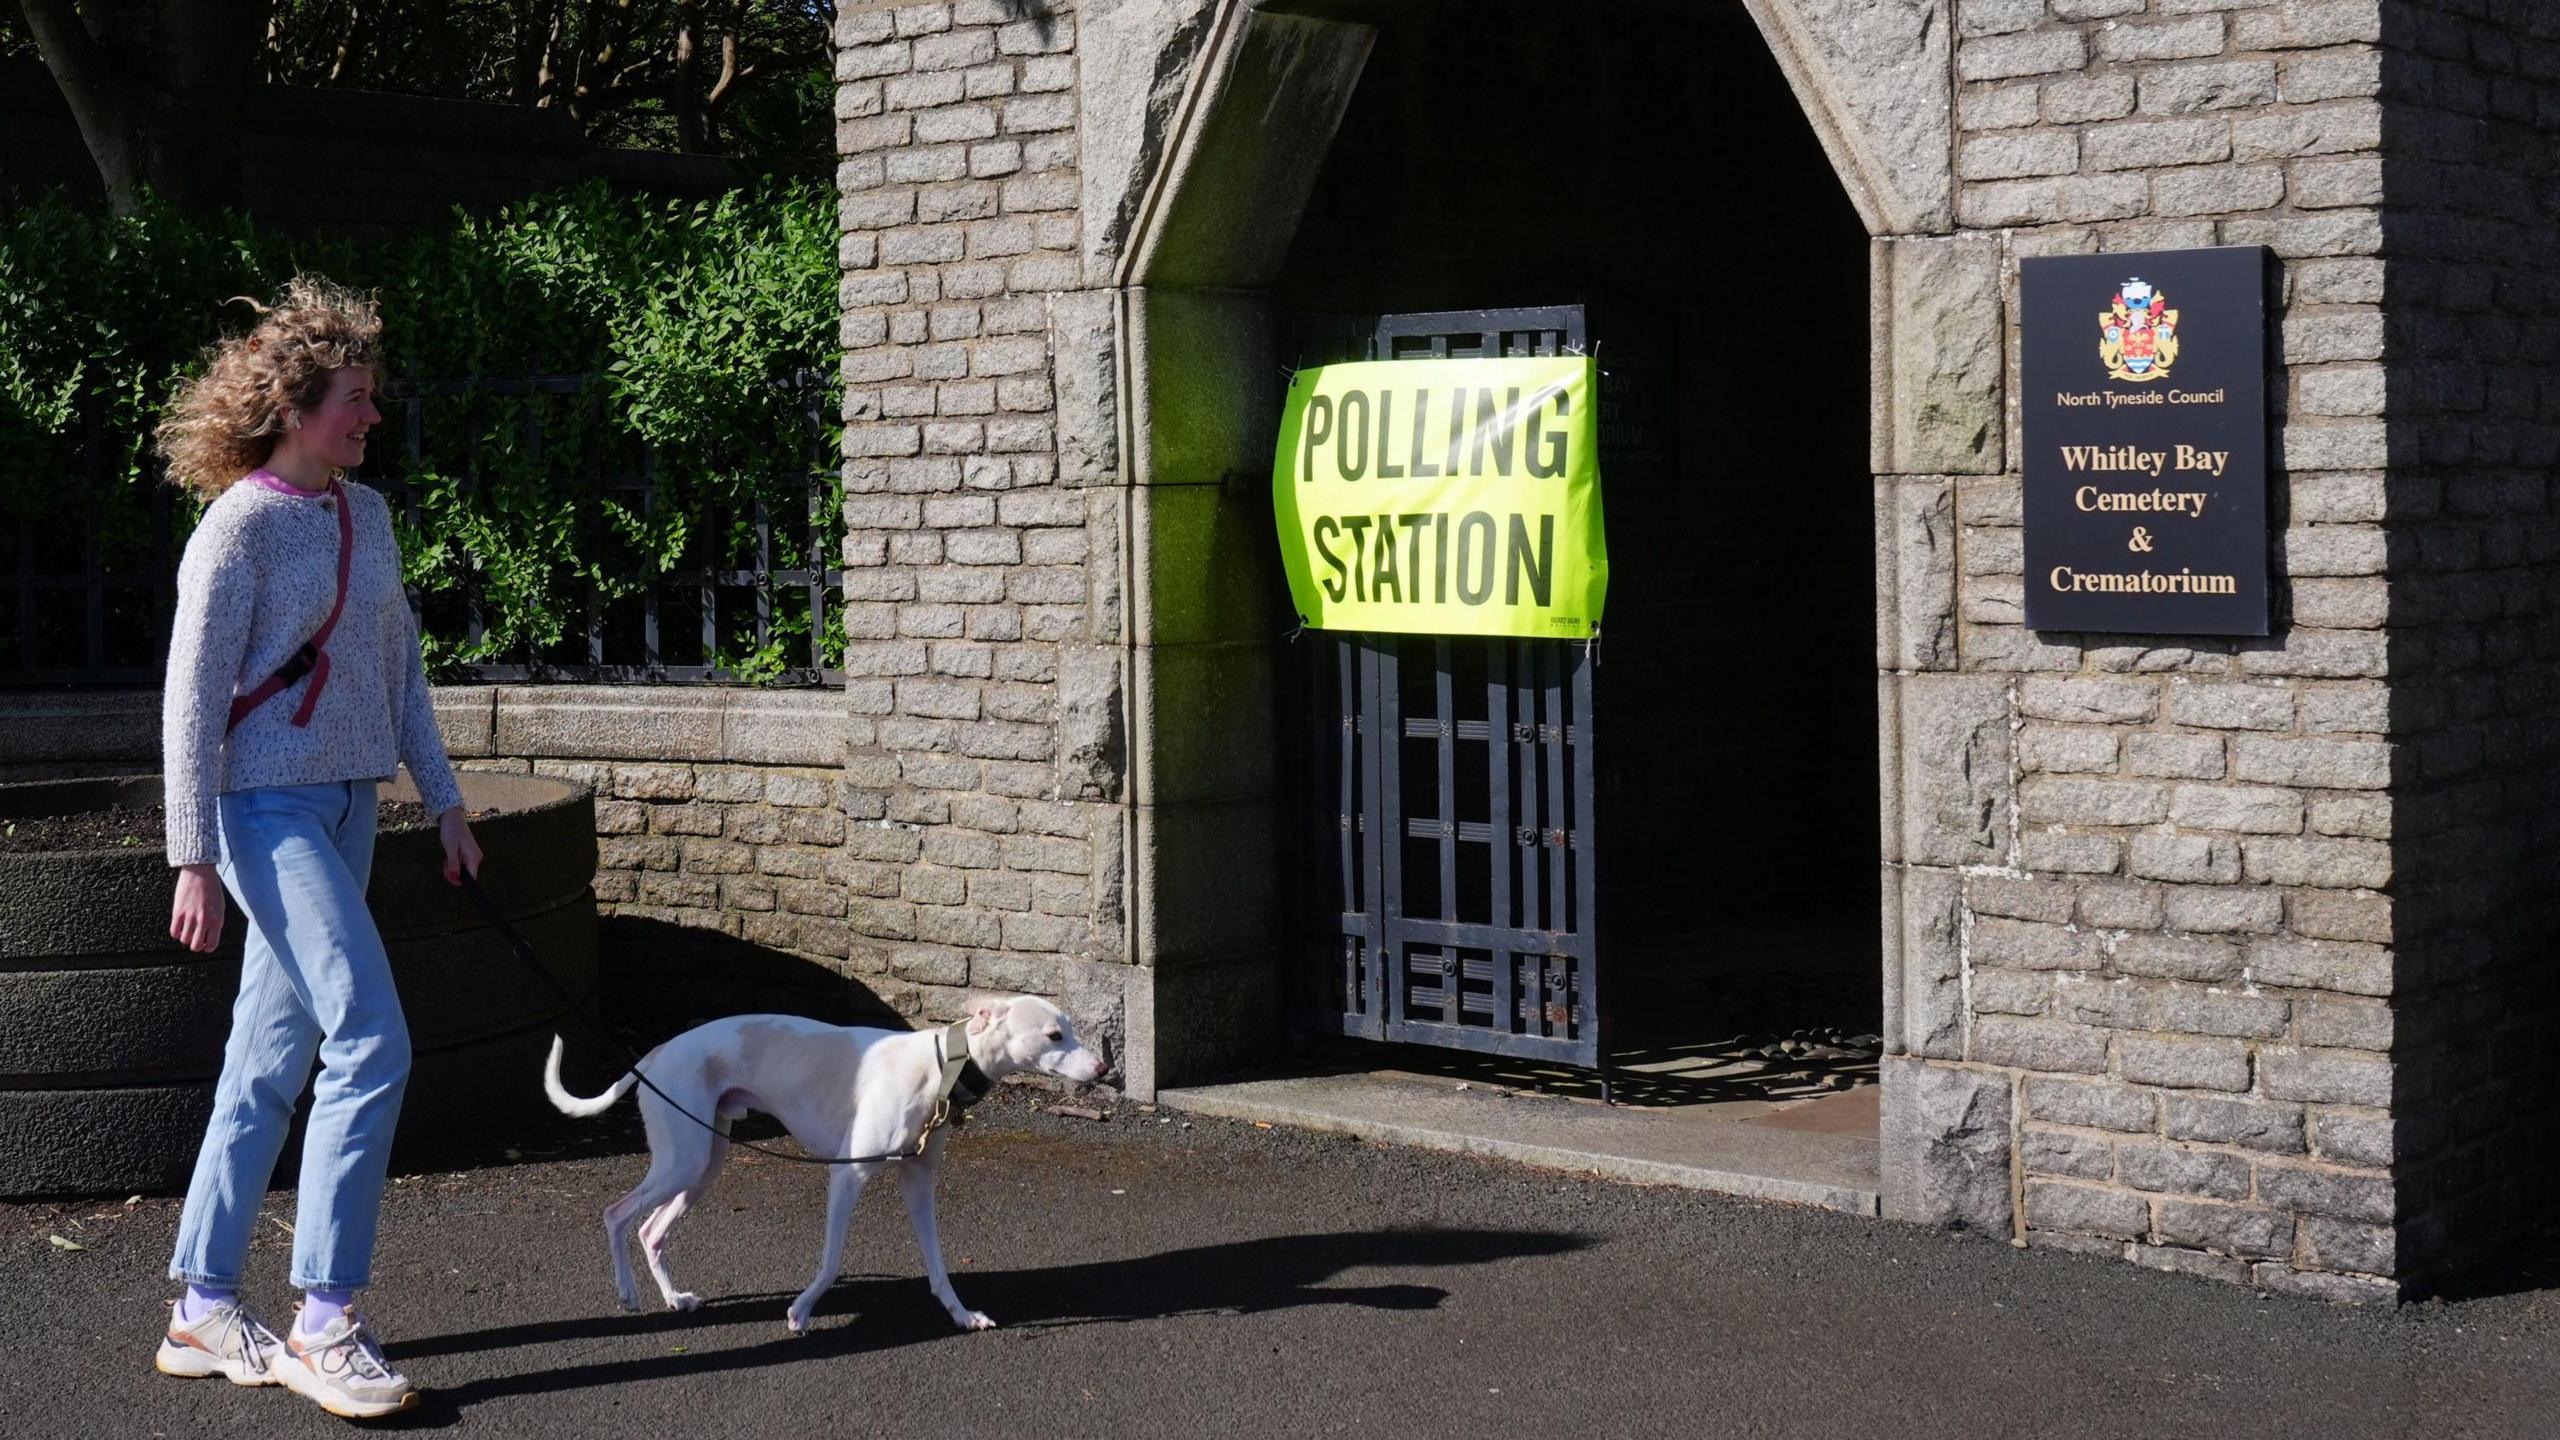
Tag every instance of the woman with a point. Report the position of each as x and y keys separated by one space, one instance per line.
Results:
x=294 y=686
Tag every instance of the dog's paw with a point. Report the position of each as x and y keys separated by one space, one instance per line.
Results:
x=974 y=1320
x=684 y=1300
x=797 y=1321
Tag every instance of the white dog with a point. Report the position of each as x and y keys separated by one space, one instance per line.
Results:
x=852 y=1091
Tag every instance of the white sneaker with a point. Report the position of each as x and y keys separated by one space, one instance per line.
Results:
x=342 y=1370
x=226 y=1340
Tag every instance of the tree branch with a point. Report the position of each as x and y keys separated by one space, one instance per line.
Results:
x=645 y=78
x=729 y=72
x=549 y=81
x=346 y=43
x=83 y=65
x=720 y=100
x=688 y=64
x=272 y=48
x=155 y=89
x=603 y=47
x=536 y=34
x=72 y=53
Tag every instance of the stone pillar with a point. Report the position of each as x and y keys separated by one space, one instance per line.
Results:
x=2471 y=538
x=985 y=549
x=1060 y=394
x=2145 y=951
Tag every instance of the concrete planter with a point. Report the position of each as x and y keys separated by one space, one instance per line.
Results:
x=111 y=1035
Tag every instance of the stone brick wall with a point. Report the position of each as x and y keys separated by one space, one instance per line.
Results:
x=724 y=873
x=2472 y=94
x=723 y=888
x=2146 y=903
x=984 y=771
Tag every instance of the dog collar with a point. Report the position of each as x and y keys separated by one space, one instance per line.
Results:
x=963 y=1083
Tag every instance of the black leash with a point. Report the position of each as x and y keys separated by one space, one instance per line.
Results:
x=471 y=886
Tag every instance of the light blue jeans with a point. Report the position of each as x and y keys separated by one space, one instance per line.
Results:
x=314 y=980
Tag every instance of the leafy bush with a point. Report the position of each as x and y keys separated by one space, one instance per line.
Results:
x=705 y=328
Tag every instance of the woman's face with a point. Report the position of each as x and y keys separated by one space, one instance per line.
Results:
x=333 y=431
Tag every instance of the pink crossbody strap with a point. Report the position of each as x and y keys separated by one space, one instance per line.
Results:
x=313 y=658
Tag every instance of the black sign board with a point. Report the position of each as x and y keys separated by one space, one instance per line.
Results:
x=2143 y=405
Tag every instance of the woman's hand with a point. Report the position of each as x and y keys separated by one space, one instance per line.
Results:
x=461 y=852
x=195 y=918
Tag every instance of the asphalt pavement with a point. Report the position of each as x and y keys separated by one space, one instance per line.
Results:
x=1160 y=1275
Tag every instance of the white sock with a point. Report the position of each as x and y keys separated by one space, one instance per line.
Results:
x=319 y=1307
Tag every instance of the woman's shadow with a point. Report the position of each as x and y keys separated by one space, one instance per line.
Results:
x=1246 y=1277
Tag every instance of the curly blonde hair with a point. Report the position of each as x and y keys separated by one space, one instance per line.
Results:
x=225 y=422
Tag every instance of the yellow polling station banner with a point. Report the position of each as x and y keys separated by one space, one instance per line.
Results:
x=1444 y=497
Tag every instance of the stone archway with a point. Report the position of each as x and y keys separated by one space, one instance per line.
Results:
x=1207 y=124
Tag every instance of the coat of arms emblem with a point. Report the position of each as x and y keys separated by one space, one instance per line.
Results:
x=2138 y=333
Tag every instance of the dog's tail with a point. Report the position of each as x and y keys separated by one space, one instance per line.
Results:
x=573 y=1105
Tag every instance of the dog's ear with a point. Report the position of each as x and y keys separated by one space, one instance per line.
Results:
x=985 y=1013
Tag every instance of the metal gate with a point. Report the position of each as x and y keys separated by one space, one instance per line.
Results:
x=1447 y=789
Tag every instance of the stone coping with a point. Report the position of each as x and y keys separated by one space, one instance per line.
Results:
x=677 y=723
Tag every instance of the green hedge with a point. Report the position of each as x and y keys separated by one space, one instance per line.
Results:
x=691 y=316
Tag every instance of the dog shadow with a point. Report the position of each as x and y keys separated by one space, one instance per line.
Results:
x=1246 y=1277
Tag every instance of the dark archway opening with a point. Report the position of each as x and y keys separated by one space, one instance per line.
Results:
x=1658 y=168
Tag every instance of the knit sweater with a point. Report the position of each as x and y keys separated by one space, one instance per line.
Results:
x=260 y=574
